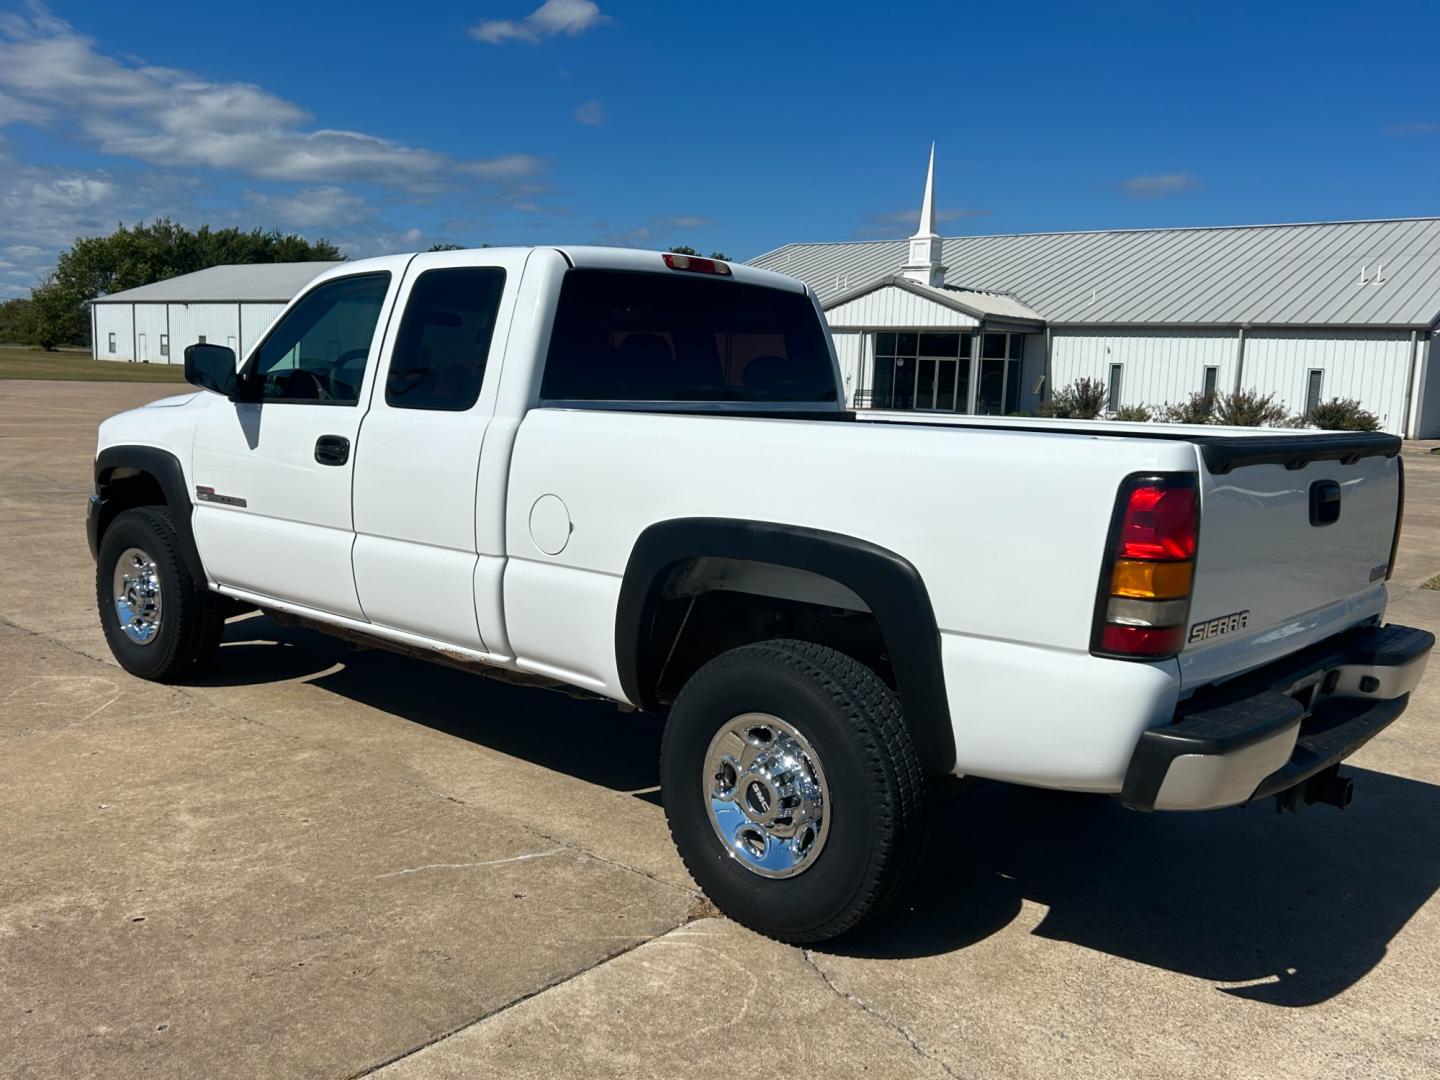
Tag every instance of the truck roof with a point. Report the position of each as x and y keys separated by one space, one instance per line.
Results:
x=596 y=257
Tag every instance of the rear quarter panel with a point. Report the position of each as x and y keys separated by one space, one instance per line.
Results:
x=1006 y=530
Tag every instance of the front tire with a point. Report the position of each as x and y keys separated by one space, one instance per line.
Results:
x=792 y=789
x=160 y=623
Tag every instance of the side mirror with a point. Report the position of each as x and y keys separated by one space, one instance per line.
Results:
x=211 y=367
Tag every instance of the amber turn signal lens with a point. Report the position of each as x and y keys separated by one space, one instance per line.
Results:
x=1151 y=580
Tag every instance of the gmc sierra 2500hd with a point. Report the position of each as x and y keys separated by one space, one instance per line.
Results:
x=634 y=475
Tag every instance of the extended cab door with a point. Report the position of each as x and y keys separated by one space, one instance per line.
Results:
x=273 y=474
x=422 y=515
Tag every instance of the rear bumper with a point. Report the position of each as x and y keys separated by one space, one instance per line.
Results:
x=1279 y=726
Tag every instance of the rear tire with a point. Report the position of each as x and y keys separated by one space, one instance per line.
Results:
x=171 y=624
x=832 y=725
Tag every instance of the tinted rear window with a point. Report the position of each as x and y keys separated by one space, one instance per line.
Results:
x=623 y=336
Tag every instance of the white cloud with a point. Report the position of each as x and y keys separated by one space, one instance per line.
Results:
x=50 y=73
x=896 y=223
x=656 y=231
x=1420 y=127
x=590 y=112
x=1159 y=185
x=319 y=207
x=553 y=17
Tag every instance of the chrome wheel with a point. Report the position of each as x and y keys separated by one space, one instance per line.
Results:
x=767 y=796
x=137 y=596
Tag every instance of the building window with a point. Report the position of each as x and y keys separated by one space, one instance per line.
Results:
x=112 y=343
x=164 y=344
x=1117 y=372
x=938 y=371
x=916 y=370
x=1212 y=379
x=1312 y=390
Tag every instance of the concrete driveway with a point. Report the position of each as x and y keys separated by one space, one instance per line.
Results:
x=329 y=863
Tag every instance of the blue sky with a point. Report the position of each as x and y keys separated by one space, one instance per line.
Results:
x=737 y=126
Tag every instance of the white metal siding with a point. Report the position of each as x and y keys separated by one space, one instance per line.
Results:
x=847 y=349
x=117 y=319
x=1161 y=366
x=255 y=319
x=218 y=323
x=1369 y=365
x=149 y=329
x=893 y=306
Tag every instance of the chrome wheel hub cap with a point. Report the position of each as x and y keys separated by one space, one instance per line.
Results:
x=767 y=796
x=137 y=596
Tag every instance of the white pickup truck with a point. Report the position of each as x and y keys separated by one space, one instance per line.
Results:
x=632 y=475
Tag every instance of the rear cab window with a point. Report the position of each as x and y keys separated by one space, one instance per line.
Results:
x=438 y=362
x=629 y=336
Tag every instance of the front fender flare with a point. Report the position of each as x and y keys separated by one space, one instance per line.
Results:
x=165 y=468
x=890 y=586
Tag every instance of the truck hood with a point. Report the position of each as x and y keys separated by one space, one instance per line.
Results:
x=173 y=401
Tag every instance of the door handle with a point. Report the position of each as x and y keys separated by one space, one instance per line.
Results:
x=332 y=449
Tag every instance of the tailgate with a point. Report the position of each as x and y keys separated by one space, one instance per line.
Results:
x=1290 y=551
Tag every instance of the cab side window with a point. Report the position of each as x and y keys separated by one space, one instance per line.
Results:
x=444 y=339
x=317 y=352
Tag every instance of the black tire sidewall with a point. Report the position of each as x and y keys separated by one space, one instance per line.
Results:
x=826 y=890
x=136 y=529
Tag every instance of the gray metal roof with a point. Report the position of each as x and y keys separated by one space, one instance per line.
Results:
x=275 y=283
x=974 y=302
x=1285 y=275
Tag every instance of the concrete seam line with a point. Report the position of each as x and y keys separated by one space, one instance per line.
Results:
x=551 y=985
x=865 y=1006
x=469 y=865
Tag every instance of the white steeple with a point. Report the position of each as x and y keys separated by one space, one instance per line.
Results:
x=925 y=246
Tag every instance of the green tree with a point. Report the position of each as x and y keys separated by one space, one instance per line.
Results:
x=144 y=253
x=17 y=319
x=686 y=249
x=447 y=247
x=56 y=317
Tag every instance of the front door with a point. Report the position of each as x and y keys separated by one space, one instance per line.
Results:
x=273 y=474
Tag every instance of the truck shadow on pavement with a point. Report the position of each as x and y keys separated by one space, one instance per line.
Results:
x=1288 y=911
x=589 y=740
x=1284 y=910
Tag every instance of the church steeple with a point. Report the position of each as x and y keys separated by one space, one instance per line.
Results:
x=925 y=246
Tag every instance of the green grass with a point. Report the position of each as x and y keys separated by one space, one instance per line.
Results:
x=20 y=363
x=1433 y=583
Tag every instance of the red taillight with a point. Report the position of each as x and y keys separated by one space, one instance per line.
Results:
x=1146 y=641
x=695 y=264
x=1159 y=523
x=1141 y=614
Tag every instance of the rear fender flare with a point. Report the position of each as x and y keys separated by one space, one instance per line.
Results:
x=888 y=584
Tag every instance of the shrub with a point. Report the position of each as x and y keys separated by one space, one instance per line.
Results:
x=1083 y=399
x=1135 y=414
x=1197 y=409
x=1342 y=414
x=1249 y=408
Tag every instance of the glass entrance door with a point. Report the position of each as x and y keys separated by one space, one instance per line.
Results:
x=935 y=382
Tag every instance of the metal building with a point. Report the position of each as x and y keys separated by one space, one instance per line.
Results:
x=225 y=305
x=992 y=324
